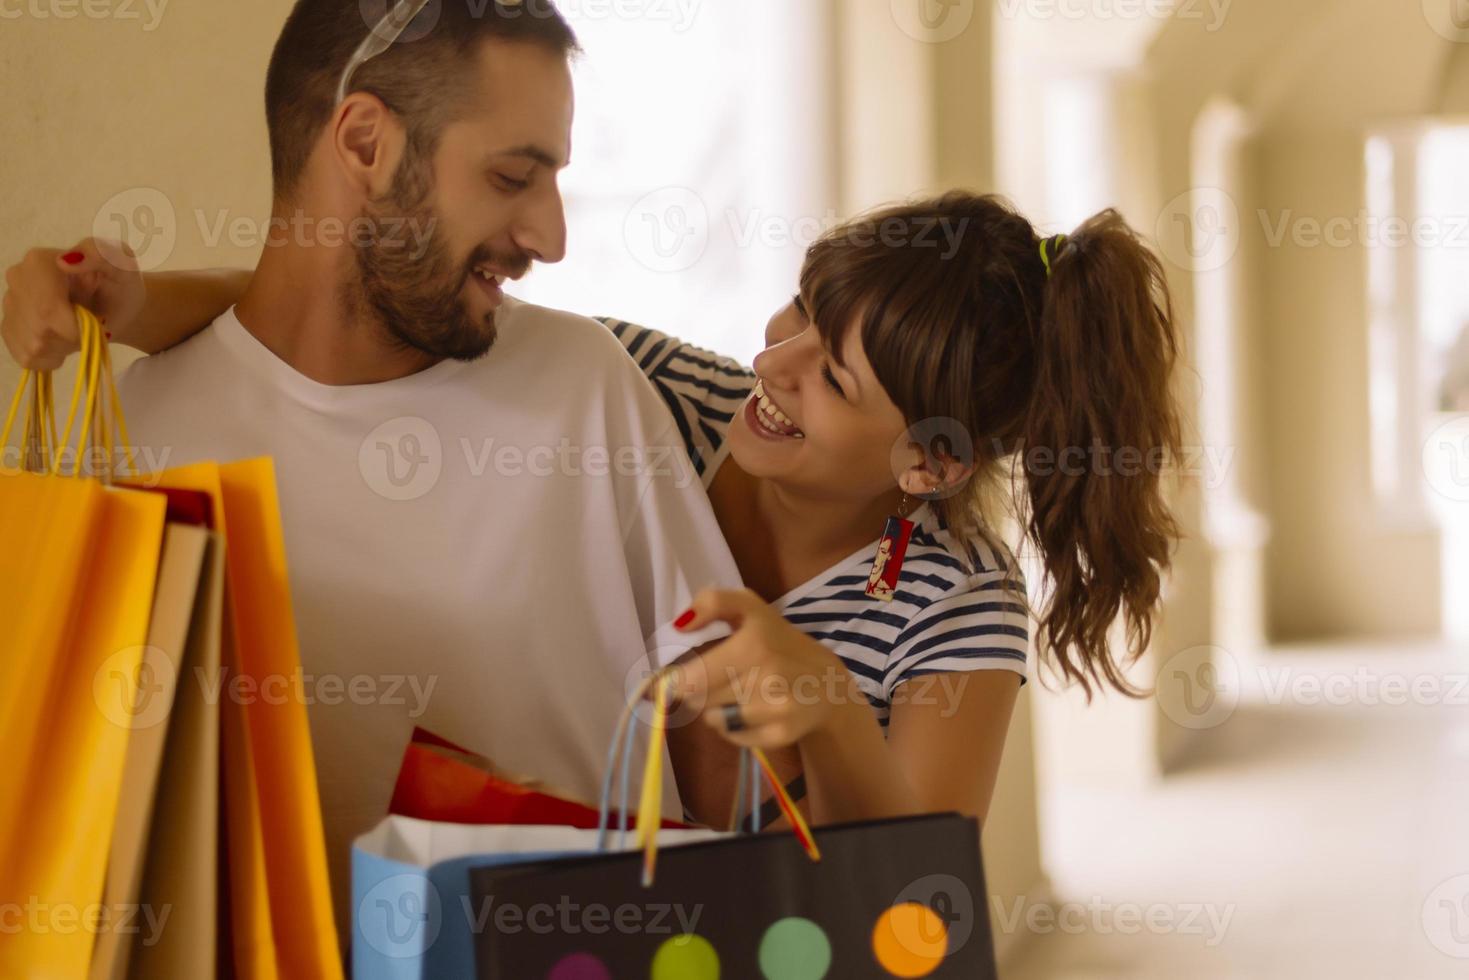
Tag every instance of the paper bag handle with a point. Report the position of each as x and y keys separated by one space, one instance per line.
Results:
x=651 y=794
x=41 y=450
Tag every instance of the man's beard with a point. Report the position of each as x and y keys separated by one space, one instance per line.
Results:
x=408 y=280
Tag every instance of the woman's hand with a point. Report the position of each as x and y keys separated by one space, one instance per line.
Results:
x=769 y=685
x=940 y=753
x=38 y=325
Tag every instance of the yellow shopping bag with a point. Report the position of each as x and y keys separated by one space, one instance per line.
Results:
x=76 y=590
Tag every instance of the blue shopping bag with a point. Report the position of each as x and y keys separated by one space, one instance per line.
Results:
x=412 y=914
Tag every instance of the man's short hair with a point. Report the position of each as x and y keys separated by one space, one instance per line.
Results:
x=421 y=77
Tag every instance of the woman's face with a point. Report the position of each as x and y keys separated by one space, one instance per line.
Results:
x=812 y=425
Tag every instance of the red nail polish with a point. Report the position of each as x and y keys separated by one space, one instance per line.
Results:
x=684 y=620
x=73 y=258
x=109 y=334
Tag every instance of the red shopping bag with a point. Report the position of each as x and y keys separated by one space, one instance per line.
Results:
x=446 y=783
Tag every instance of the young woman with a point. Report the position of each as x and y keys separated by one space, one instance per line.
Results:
x=909 y=378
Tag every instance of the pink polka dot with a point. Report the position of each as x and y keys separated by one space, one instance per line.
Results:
x=579 y=966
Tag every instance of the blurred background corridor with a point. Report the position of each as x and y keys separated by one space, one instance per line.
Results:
x=1291 y=801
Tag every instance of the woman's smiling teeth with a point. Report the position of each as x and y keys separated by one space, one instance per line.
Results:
x=771 y=418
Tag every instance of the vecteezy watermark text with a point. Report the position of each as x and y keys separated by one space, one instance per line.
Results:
x=138 y=465
x=404 y=458
x=34 y=916
x=1212 y=13
x=1100 y=917
x=1209 y=464
x=567 y=917
x=148 y=12
x=409 y=235
x=136 y=688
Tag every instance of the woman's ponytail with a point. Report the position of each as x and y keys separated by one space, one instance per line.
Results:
x=1099 y=432
x=1057 y=357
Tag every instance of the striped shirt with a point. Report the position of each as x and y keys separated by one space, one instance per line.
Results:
x=956 y=608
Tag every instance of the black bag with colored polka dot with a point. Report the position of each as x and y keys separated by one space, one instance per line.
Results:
x=893 y=898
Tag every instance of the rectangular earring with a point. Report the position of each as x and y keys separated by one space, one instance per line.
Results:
x=882 y=583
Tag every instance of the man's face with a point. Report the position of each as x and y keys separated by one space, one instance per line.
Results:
x=480 y=212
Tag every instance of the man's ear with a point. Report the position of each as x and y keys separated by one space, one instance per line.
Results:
x=367 y=143
x=931 y=475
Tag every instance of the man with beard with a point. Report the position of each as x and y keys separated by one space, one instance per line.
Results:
x=488 y=514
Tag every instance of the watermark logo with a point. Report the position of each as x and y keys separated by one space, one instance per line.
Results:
x=134 y=687
x=299 y=229
x=143 y=218
x=690 y=672
x=401 y=916
x=147 y=701
x=933 y=21
x=678 y=14
x=943 y=442
x=952 y=904
x=1448 y=18
x=1199 y=230
x=1446 y=459
x=668 y=229
x=402 y=459
x=1199 y=688
x=373 y=12
x=1446 y=917
x=1364 y=230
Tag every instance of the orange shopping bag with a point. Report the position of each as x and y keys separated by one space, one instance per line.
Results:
x=281 y=922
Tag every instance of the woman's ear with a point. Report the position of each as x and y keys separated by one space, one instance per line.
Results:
x=933 y=475
x=367 y=143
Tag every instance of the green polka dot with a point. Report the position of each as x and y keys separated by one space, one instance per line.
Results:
x=686 y=957
x=795 y=949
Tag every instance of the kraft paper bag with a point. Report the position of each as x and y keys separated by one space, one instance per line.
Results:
x=179 y=572
x=181 y=878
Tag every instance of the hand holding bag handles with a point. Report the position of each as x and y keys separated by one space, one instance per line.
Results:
x=101 y=413
x=888 y=898
x=76 y=593
x=658 y=685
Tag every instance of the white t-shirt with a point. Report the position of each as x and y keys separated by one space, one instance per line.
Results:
x=484 y=549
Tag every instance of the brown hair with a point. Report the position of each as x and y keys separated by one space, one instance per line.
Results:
x=961 y=319
x=420 y=78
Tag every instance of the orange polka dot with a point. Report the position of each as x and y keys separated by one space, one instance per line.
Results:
x=910 y=940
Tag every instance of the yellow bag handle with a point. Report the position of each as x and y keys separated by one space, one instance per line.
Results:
x=94 y=393
x=660 y=686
